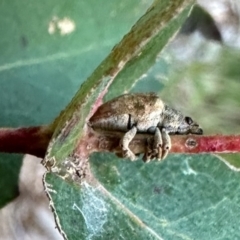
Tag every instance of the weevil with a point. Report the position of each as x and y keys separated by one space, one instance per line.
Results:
x=143 y=113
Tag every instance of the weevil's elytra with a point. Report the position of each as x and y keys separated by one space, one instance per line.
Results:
x=143 y=113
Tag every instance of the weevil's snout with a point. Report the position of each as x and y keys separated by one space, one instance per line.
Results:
x=188 y=126
x=196 y=130
x=193 y=126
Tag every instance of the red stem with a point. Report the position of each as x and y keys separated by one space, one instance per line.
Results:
x=206 y=144
x=180 y=143
x=31 y=140
x=35 y=140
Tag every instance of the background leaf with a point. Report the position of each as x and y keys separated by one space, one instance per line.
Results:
x=184 y=197
x=9 y=172
x=40 y=71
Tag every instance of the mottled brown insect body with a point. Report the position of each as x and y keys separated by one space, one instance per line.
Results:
x=142 y=113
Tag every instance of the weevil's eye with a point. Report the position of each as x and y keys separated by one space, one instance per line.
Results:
x=188 y=120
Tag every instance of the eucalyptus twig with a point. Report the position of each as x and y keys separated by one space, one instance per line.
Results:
x=31 y=140
x=98 y=142
x=35 y=140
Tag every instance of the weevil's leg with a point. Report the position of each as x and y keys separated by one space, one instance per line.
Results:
x=124 y=143
x=148 y=152
x=154 y=148
x=160 y=147
x=166 y=146
x=158 y=144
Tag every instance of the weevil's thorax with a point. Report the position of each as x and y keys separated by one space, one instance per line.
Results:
x=171 y=119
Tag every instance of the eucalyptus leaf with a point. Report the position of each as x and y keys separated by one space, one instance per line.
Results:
x=41 y=68
x=183 y=197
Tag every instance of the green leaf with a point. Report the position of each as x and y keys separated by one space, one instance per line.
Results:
x=9 y=171
x=179 y=198
x=171 y=15
x=41 y=71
